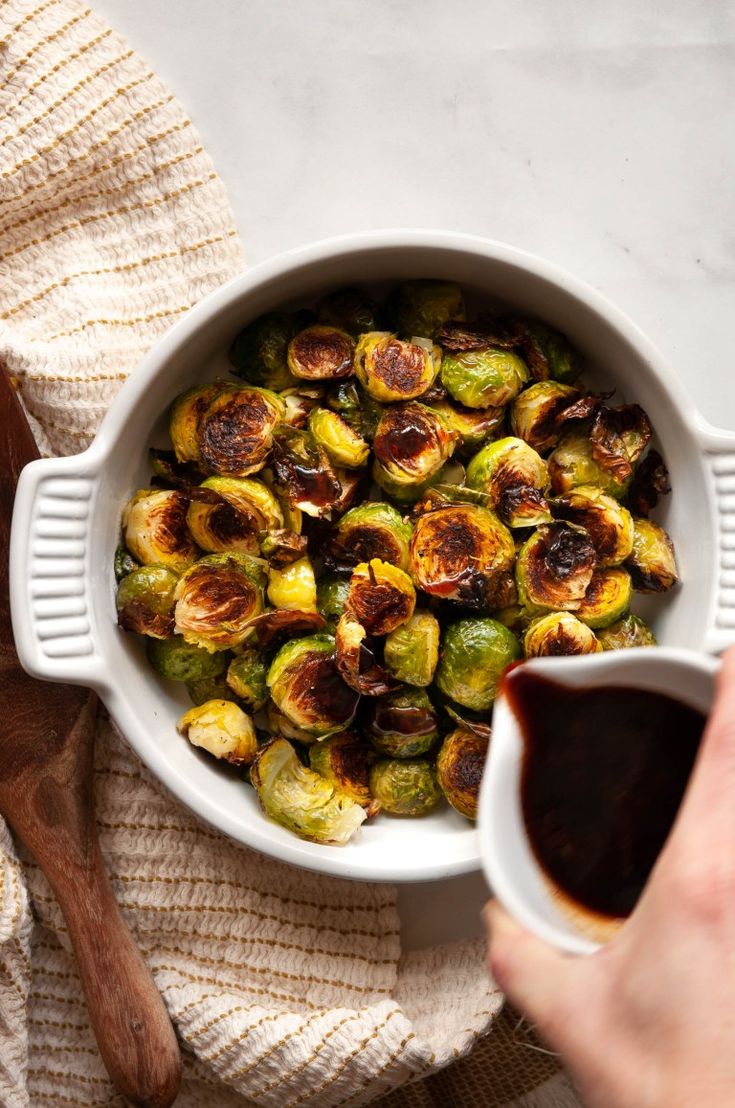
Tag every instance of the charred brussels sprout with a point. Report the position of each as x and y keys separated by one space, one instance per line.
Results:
x=299 y=403
x=343 y=446
x=145 y=601
x=331 y=594
x=246 y=676
x=350 y=310
x=548 y=352
x=282 y=547
x=241 y=509
x=155 y=530
x=411 y=445
x=460 y=765
x=307 y=688
x=303 y=473
x=606 y=521
x=626 y=634
x=217 y=598
x=572 y=463
x=301 y=800
x=356 y=660
x=342 y=761
x=652 y=563
x=320 y=353
x=483 y=378
x=421 y=307
x=403 y=723
x=473 y=656
x=411 y=651
x=381 y=597
x=554 y=567
x=221 y=728
x=607 y=598
x=355 y=406
x=124 y=563
x=293 y=587
x=179 y=660
x=279 y=625
x=186 y=416
x=391 y=369
x=535 y=413
x=559 y=633
x=458 y=553
x=236 y=431
x=473 y=425
x=515 y=478
x=259 y=353
x=404 y=787
x=371 y=530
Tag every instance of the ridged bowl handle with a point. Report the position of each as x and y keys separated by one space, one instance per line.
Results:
x=719 y=449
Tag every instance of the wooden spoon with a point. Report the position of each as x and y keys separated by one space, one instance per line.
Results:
x=46 y=795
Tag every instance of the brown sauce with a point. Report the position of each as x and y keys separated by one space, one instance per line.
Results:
x=604 y=772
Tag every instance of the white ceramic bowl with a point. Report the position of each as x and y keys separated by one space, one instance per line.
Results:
x=66 y=523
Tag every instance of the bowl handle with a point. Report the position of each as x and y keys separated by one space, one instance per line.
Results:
x=719 y=449
x=50 y=571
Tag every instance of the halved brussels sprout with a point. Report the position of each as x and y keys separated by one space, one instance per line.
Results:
x=331 y=594
x=187 y=412
x=350 y=481
x=145 y=601
x=411 y=651
x=627 y=633
x=559 y=633
x=303 y=473
x=217 y=598
x=421 y=307
x=404 y=787
x=650 y=481
x=274 y=628
x=411 y=445
x=320 y=353
x=547 y=351
x=473 y=425
x=572 y=463
x=349 y=309
x=293 y=587
x=607 y=598
x=236 y=431
x=460 y=765
x=618 y=437
x=403 y=723
x=458 y=551
x=124 y=563
x=306 y=686
x=209 y=688
x=606 y=521
x=381 y=597
x=299 y=403
x=554 y=567
x=343 y=446
x=472 y=659
x=221 y=728
x=155 y=531
x=391 y=369
x=246 y=676
x=179 y=660
x=515 y=478
x=355 y=406
x=652 y=562
x=371 y=530
x=301 y=800
x=483 y=378
x=259 y=352
x=242 y=508
x=343 y=761
x=282 y=547
x=535 y=413
x=356 y=661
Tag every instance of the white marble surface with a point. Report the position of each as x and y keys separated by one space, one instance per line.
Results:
x=596 y=134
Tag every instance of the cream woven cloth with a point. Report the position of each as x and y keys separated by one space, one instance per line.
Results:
x=286 y=989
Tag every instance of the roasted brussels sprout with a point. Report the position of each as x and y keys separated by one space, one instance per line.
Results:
x=411 y=445
x=343 y=761
x=221 y=728
x=651 y=563
x=259 y=353
x=411 y=651
x=458 y=552
x=145 y=601
x=473 y=425
x=554 y=567
x=403 y=723
x=559 y=633
x=155 y=531
x=404 y=787
x=246 y=676
x=421 y=307
x=618 y=437
x=301 y=800
x=356 y=660
x=371 y=530
x=300 y=403
x=279 y=724
x=472 y=659
x=293 y=587
x=179 y=660
x=320 y=353
x=650 y=481
x=241 y=509
x=124 y=563
x=535 y=413
x=355 y=406
x=391 y=369
x=304 y=476
x=460 y=765
x=572 y=463
x=483 y=378
x=626 y=633
x=548 y=352
x=515 y=478
x=217 y=598
x=381 y=597
x=279 y=625
x=236 y=431
x=350 y=310
x=331 y=594
x=343 y=446
x=607 y=598
x=209 y=688
x=282 y=547
x=187 y=412
x=606 y=521
x=307 y=688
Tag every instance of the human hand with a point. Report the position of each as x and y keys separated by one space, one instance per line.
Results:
x=648 y=1021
